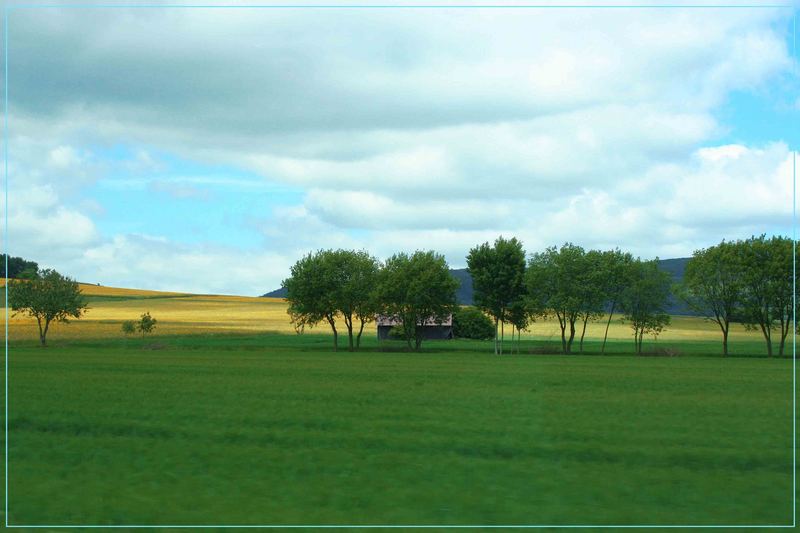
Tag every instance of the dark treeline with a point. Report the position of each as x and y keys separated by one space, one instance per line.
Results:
x=19 y=268
x=748 y=281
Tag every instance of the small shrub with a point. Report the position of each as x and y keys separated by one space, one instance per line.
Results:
x=471 y=323
x=129 y=327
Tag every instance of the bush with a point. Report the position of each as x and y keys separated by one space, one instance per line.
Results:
x=471 y=323
x=129 y=327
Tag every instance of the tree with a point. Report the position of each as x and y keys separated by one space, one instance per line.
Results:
x=330 y=284
x=591 y=290
x=498 y=279
x=50 y=297
x=712 y=285
x=767 y=292
x=311 y=290
x=553 y=280
x=520 y=317
x=417 y=289
x=356 y=274
x=614 y=273
x=644 y=300
x=129 y=327
x=146 y=324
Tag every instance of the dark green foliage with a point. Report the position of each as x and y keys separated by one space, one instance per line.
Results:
x=713 y=285
x=767 y=302
x=48 y=297
x=129 y=327
x=331 y=284
x=644 y=300
x=275 y=429
x=615 y=270
x=498 y=279
x=555 y=281
x=146 y=324
x=416 y=288
x=20 y=268
x=472 y=323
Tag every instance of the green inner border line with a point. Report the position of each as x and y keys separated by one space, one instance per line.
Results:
x=9 y=7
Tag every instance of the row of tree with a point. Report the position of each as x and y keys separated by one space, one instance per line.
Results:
x=569 y=283
x=354 y=287
x=748 y=281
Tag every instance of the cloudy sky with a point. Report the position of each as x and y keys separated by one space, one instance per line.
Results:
x=206 y=150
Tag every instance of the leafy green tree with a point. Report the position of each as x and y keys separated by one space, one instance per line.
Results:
x=146 y=324
x=592 y=294
x=767 y=294
x=311 y=291
x=331 y=284
x=520 y=317
x=498 y=279
x=472 y=323
x=614 y=274
x=554 y=286
x=129 y=327
x=416 y=289
x=356 y=274
x=50 y=297
x=712 y=285
x=644 y=300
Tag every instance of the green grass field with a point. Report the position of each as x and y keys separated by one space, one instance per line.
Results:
x=278 y=429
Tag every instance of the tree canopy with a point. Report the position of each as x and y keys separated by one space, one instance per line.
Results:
x=417 y=289
x=498 y=279
x=49 y=297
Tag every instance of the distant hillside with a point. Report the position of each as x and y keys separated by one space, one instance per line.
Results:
x=464 y=293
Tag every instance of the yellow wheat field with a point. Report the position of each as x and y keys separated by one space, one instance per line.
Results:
x=180 y=313
x=177 y=313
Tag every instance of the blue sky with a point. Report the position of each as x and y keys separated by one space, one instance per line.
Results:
x=157 y=148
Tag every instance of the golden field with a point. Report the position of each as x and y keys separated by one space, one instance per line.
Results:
x=180 y=313
x=177 y=313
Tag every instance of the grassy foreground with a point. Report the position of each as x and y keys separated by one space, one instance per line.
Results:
x=276 y=429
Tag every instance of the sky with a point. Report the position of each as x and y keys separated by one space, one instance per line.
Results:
x=207 y=150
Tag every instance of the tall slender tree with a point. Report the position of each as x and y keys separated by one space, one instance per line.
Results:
x=615 y=271
x=645 y=299
x=498 y=279
x=553 y=287
x=712 y=285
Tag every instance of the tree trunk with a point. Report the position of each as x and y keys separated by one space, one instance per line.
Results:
x=583 y=333
x=784 y=333
x=725 y=343
x=335 y=334
x=360 y=331
x=348 y=322
x=768 y=338
x=571 y=335
x=502 y=335
x=610 y=314
x=562 y=323
x=496 y=324
x=41 y=335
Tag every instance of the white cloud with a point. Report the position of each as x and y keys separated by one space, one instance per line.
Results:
x=406 y=129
